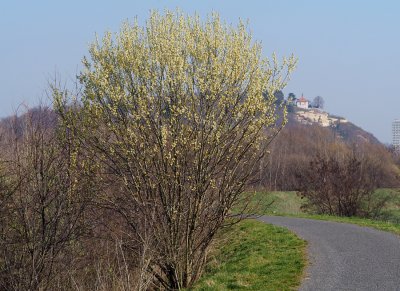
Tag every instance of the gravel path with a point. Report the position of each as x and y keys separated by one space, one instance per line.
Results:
x=345 y=256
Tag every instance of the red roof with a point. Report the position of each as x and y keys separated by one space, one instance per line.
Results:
x=302 y=99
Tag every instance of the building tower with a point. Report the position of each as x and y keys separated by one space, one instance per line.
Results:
x=396 y=133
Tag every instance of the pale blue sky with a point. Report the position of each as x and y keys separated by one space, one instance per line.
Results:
x=348 y=50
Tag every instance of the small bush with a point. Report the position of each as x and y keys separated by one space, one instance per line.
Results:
x=342 y=183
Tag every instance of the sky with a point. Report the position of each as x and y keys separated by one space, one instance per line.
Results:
x=348 y=51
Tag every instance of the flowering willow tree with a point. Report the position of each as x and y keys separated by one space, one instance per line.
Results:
x=177 y=115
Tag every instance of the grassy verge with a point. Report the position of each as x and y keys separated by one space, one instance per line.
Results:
x=255 y=256
x=276 y=202
x=289 y=204
x=377 y=224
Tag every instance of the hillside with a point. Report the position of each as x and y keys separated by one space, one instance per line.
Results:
x=40 y=115
x=352 y=133
x=348 y=131
x=310 y=133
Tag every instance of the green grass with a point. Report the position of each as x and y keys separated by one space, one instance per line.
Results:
x=377 y=224
x=255 y=256
x=289 y=204
x=275 y=202
x=392 y=209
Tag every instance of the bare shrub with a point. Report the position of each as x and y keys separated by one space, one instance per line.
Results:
x=114 y=268
x=341 y=182
x=41 y=202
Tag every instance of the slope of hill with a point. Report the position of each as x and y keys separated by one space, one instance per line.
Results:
x=344 y=129
x=352 y=133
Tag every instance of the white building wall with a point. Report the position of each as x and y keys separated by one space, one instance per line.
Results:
x=303 y=105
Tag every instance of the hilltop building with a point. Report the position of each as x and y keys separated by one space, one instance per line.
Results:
x=305 y=113
x=302 y=102
x=396 y=133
